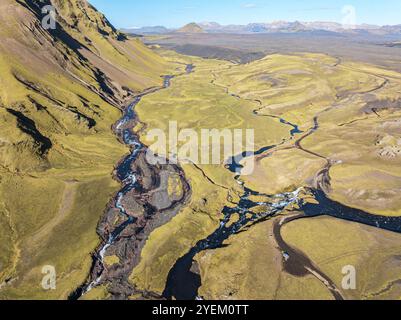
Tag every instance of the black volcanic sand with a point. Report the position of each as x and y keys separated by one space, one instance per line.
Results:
x=372 y=49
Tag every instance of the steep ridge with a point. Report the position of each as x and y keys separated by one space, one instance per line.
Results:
x=60 y=93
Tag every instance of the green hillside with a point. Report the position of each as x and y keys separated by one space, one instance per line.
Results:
x=60 y=93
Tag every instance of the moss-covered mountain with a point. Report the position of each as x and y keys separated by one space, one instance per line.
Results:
x=60 y=93
x=191 y=28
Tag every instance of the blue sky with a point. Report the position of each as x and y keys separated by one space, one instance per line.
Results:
x=176 y=13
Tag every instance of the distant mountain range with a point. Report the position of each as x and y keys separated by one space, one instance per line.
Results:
x=147 y=30
x=273 y=27
x=189 y=28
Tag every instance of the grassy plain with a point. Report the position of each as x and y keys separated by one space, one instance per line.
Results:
x=249 y=267
x=334 y=244
x=285 y=171
x=196 y=103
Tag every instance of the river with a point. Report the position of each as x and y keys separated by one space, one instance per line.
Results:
x=124 y=173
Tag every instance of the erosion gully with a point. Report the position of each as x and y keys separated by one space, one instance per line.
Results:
x=184 y=278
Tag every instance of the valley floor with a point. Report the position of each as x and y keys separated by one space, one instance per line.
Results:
x=323 y=193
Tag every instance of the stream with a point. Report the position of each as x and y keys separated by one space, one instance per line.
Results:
x=335 y=209
x=183 y=281
x=234 y=163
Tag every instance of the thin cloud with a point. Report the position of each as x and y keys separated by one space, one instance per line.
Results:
x=249 y=5
x=316 y=9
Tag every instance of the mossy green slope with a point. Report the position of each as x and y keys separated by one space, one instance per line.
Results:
x=60 y=93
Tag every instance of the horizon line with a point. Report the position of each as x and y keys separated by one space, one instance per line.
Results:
x=268 y=22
